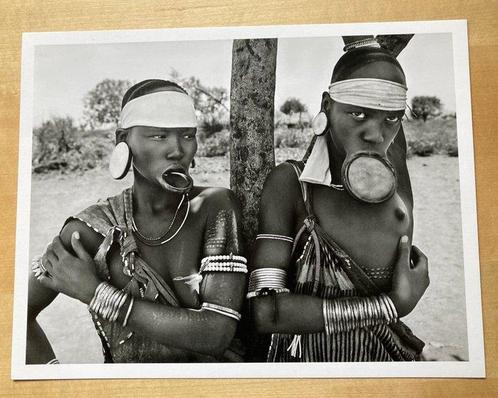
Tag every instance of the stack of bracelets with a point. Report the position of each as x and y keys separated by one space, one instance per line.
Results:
x=347 y=313
x=264 y=281
x=339 y=314
x=108 y=301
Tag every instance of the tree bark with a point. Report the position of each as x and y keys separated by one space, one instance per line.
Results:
x=252 y=154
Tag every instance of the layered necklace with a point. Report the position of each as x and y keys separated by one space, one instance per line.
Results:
x=163 y=239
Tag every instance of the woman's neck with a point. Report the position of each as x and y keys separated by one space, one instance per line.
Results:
x=151 y=198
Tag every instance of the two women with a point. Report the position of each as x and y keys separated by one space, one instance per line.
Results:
x=334 y=268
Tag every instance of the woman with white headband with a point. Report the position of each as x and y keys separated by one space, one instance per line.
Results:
x=334 y=268
x=159 y=265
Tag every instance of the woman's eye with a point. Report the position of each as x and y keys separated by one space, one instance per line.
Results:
x=393 y=119
x=358 y=115
x=158 y=137
x=189 y=137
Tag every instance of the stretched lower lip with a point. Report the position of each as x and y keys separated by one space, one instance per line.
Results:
x=177 y=180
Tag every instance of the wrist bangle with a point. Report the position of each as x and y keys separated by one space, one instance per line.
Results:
x=344 y=314
x=107 y=301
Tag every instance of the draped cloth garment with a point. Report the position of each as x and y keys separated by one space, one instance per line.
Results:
x=112 y=219
x=323 y=269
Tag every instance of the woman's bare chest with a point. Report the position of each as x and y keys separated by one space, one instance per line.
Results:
x=368 y=233
x=171 y=261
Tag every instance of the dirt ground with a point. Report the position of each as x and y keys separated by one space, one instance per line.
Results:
x=439 y=318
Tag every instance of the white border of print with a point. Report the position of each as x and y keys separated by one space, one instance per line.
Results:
x=474 y=367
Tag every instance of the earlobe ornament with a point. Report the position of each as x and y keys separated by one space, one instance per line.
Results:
x=319 y=123
x=120 y=161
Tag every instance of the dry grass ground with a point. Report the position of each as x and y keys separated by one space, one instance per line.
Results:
x=439 y=319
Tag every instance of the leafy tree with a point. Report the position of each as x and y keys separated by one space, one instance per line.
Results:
x=425 y=106
x=102 y=104
x=211 y=103
x=292 y=105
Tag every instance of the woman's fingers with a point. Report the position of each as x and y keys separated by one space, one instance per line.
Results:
x=47 y=281
x=49 y=259
x=421 y=264
x=78 y=247
x=46 y=263
x=59 y=249
x=404 y=252
x=419 y=258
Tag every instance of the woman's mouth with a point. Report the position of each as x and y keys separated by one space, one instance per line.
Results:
x=177 y=180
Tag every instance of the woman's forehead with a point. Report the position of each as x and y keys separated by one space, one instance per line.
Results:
x=379 y=70
x=151 y=129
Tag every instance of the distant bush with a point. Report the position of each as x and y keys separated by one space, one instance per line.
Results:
x=425 y=106
x=292 y=138
x=217 y=144
x=437 y=135
x=58 y=145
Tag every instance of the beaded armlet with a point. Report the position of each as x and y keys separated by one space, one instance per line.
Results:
x=219 y=263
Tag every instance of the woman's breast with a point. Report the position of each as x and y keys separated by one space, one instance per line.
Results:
x=172 y=262
x=369 y=234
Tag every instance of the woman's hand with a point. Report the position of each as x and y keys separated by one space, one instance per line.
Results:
x=410 y=278
x=74 y=276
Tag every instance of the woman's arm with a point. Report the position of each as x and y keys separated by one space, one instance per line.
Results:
x=38 y=348
x=203 y=331
x=292 y=313
x=284 y=313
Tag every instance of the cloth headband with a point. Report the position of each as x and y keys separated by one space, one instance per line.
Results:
x=371 y=93
x=161 y=109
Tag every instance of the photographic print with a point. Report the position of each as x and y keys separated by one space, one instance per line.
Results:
x=277 y=201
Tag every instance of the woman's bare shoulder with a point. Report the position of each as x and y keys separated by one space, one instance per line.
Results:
x=90 y=238
x=282 y=182
x=217 y=198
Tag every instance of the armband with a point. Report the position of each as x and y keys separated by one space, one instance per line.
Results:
x=221 y=263
x=221 y=310
x=224 y=263
x=275 y=237
x=344 y=314
x=264 y=281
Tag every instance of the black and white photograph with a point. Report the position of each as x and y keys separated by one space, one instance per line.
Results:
x=275 y=201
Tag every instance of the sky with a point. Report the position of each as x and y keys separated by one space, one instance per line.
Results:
x=63 y=74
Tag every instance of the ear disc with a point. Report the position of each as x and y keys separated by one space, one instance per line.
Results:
x=120 y=161
x=319 y=123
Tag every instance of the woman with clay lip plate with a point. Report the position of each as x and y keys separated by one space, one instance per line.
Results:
x=159 y=265
x=334 y=268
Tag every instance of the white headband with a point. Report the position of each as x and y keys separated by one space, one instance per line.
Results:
x=384 y=95
x=161 y=109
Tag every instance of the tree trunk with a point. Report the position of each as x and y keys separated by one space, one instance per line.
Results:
x=252 y=154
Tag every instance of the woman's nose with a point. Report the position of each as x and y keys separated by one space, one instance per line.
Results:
x=174 y=148
x=373 y=133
